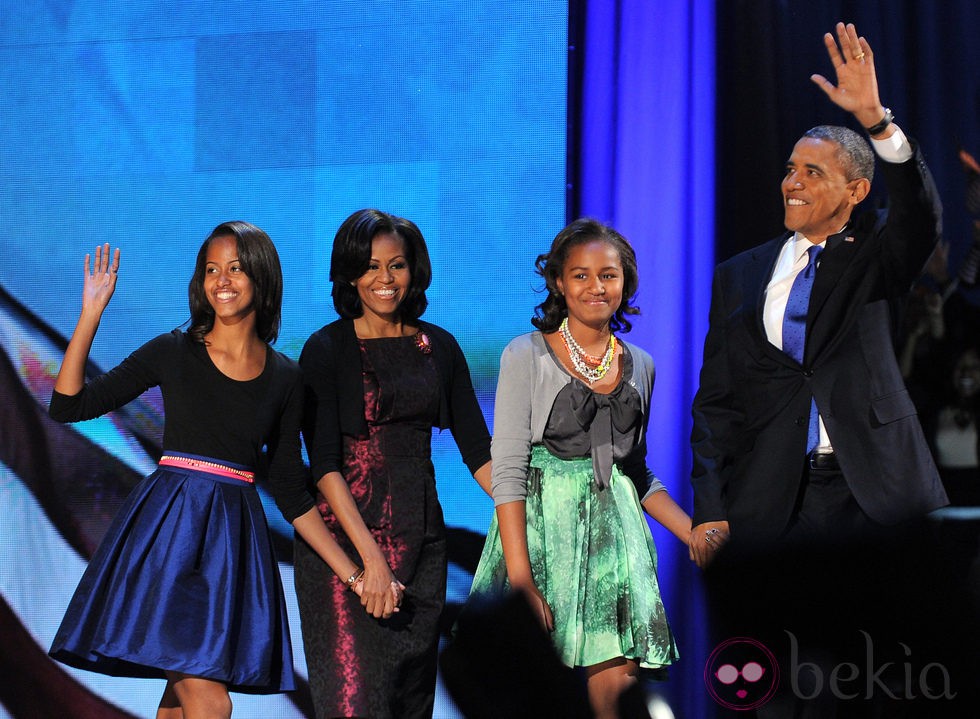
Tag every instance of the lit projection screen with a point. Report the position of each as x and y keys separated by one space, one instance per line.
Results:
x=146 y=124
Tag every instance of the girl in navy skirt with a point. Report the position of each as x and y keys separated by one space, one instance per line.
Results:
x=185 y=585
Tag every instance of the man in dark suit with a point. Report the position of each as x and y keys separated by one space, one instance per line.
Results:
x=753 y=472
x=798 y=460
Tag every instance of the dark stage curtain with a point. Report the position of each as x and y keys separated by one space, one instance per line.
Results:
x=927 y=55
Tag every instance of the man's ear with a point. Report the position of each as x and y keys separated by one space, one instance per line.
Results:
x=859 y=189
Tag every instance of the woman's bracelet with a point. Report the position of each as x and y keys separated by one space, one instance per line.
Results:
x=354 y=578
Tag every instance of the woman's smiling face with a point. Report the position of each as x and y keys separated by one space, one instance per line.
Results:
x=385 y=283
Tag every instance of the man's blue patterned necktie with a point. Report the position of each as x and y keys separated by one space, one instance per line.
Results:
x=794 y=329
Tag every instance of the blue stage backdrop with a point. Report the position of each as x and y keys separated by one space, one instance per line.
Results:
x=146 y=124
x=645 y=163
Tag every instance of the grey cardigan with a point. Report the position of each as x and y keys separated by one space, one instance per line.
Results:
x=530 y=380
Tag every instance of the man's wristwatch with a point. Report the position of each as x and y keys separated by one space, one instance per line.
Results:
x=882 y=124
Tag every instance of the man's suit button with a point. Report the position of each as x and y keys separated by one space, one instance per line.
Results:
x=800 y=421
x=808 y=373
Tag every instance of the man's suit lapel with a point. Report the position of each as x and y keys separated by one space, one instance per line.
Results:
x=822 y=322
x=756 y=279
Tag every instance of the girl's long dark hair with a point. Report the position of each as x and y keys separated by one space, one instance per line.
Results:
x=260 y=263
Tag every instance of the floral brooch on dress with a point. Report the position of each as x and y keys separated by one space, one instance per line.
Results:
x=423 y=342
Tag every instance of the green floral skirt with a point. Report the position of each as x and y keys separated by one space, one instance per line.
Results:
x=593 y=559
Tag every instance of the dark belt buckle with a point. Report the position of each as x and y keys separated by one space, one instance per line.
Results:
x=824 y=460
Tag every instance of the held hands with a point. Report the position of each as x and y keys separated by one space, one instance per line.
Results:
x=857 y=84
x=100 y=282
x=706 y=540
x=381 y=594
x=397 y=589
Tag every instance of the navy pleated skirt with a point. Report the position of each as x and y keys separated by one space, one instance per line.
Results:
x=185 y=580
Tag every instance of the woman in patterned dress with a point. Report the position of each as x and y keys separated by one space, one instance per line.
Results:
x=378 y=380
x=569 y=469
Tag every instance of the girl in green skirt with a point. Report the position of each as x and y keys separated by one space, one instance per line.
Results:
x=569 y=471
